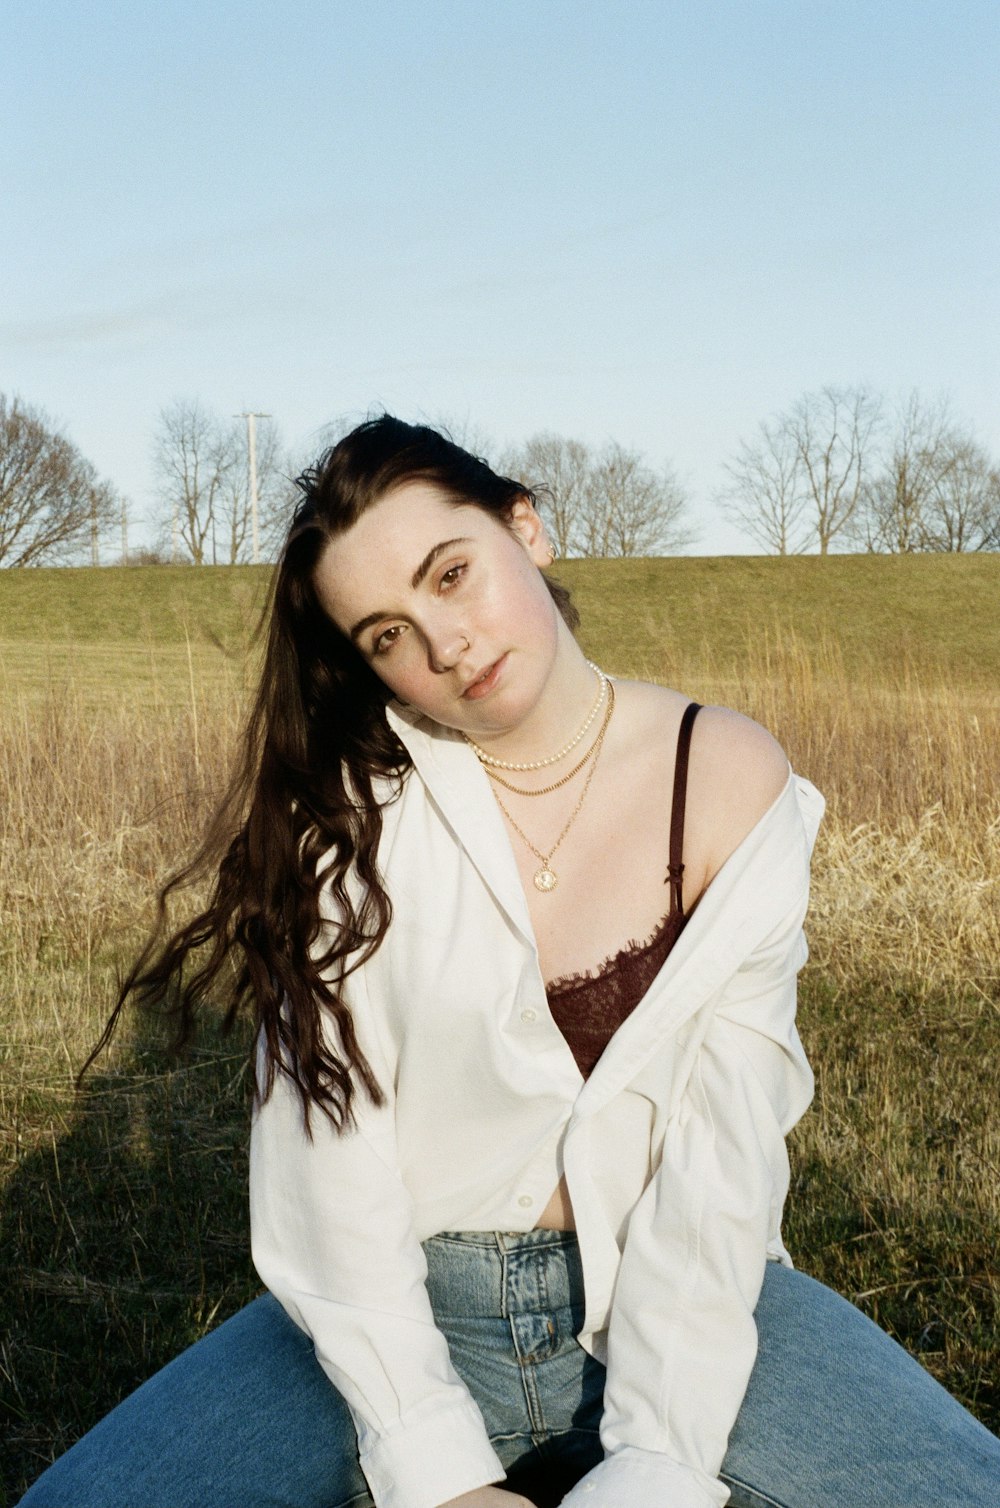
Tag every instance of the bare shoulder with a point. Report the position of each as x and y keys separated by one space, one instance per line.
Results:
x=730 y=753
x=740 y=758
x=737 y=772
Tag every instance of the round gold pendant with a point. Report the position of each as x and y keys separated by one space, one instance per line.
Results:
x=545 y=878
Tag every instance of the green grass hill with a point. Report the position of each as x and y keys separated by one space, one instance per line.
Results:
x=937 y=615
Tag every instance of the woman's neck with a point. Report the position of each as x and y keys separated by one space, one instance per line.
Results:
x=568 y=705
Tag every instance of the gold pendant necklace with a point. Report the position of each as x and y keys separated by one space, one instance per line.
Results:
x=545 y=877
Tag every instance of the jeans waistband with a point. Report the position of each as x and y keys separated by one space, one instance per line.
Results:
x=500 y=1273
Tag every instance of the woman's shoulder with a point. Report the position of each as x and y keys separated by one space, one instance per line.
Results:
x=732 y=748
x=738 y=757
x=736 y=770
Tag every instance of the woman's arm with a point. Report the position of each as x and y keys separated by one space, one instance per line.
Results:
x=489 y=1497
x=333 y=1240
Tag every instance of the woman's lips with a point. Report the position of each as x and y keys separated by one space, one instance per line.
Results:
x=485 y=683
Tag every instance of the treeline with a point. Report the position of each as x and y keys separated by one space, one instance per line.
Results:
x=214 y=504
x=840 y=469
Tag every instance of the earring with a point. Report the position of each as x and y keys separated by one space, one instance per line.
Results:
x=553 y=553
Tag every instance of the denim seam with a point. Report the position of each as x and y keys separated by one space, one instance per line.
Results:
x=477 y=1240
x=527 y=1366
x=541 y=1268
x=758 y=1497
x=515 y=1434
x=574 y=1429
x=504 y=1279
x=359 y=1497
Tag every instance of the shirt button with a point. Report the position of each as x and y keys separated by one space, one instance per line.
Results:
x=529 y=1016
x=525 y=1201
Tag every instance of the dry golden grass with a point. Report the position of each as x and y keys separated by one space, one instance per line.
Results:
x=101 y=798
x=907 y=870
x=896 y=1168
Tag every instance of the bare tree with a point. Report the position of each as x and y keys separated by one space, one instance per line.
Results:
x=193 y=457
x=559 y=470
x=630 y=509
x=991 y=535
x=465 y=431
x=608 y=504
x=834 y=431
x=53 y=506
x=802 y=482
x=963 y=512
x=937 y=490
x=764 y=495
x=896 y=497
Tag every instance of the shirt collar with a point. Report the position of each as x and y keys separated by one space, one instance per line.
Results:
x=460 y=788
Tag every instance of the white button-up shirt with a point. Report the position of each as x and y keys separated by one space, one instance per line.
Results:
x=673 y=1149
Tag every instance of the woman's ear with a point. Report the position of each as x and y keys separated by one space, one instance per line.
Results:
x=525 y=521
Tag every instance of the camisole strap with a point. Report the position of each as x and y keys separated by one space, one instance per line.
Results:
x=675 y=871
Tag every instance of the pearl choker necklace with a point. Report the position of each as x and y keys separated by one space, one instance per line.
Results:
x=541 y=764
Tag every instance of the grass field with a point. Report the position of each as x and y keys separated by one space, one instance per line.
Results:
x=122 y=1219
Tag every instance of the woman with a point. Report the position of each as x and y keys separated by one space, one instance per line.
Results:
x=523 y=943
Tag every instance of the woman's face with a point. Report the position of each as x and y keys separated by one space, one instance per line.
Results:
x=447 y=605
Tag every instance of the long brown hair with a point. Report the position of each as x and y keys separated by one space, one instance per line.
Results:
x=303 y=810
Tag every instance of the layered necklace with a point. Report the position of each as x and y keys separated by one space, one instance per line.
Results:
x=545 y=877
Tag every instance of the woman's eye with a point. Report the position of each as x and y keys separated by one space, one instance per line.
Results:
x=387 y=638
x=452 y=576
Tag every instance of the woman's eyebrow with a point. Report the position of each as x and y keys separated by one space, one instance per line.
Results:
x=415 y=580
x=431 y=556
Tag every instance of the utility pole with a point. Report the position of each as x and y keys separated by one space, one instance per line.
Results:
x=251 y=419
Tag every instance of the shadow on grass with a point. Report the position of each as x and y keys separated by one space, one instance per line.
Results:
x=893 y=1193
x=122 y=1241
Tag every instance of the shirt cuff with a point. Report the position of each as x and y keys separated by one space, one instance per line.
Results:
x=430 y=1459
x=634 y=1478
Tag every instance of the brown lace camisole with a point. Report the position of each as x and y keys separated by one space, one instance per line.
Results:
x=589 y=1008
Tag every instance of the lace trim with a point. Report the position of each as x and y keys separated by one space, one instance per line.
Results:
x=588 y=1008
x=632 y=952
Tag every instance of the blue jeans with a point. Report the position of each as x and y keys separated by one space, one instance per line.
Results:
x=836 y=1414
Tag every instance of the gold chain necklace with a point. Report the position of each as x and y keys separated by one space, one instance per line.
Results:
x=545 y=878
x=541 y=764
x=545 y=790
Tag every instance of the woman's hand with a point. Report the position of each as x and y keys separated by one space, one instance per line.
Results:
x=489 y=1497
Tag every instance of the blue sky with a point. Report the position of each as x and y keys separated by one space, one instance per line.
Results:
x=658 y=222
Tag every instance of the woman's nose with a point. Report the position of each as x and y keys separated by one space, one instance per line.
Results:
x=446 y=646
